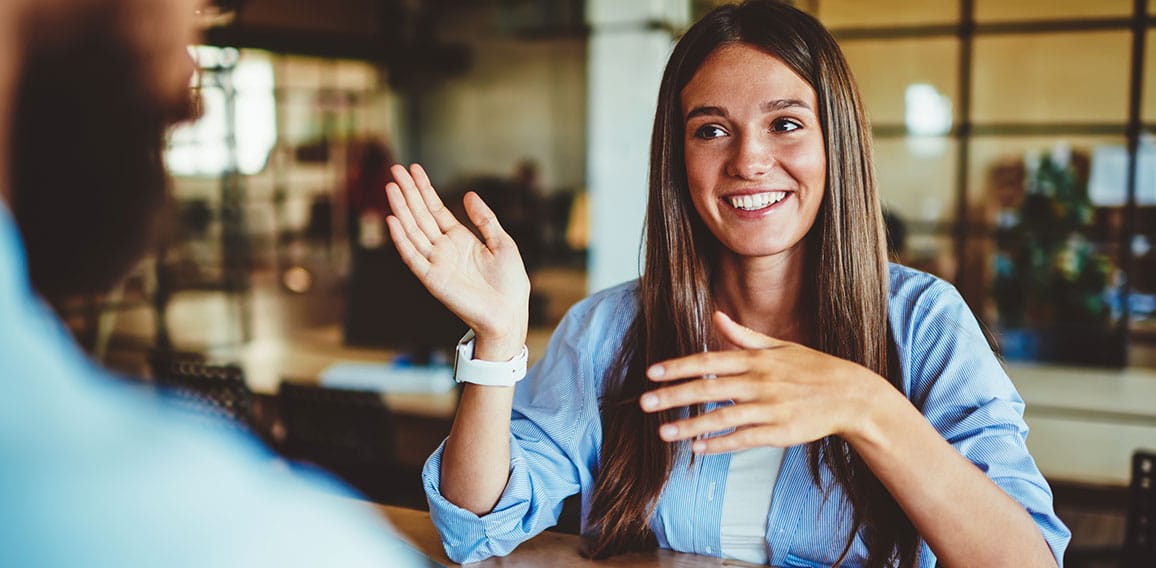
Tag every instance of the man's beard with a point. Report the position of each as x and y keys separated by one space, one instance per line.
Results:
x=88 y=178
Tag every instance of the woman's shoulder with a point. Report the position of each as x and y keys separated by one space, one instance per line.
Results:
x=615 y=303
x=928 y=314
x=922 y=301
x=598 y=323
x=914 y=294
x=909 y=285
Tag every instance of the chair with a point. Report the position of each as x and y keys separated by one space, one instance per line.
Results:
x=216 y=394
x=1140 y=532
x=1139 y=547
x=350 y=433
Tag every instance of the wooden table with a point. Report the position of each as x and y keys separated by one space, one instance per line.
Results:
x=555 y=550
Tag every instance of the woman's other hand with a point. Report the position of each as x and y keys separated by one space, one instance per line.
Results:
x=784 y=393
x=483 y=282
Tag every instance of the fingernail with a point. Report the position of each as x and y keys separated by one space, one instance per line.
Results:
x=649 y=401
x=667 y=431
x=698 y=446
x=656 y=371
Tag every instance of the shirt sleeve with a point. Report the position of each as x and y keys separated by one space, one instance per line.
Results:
x=958 y=384
x=554 y=437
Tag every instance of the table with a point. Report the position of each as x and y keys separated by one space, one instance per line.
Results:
x=555 y=550
x=268 y=362
x=1086 y=422
x=421 y=421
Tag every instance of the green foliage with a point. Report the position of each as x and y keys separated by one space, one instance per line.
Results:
x=1046 y=270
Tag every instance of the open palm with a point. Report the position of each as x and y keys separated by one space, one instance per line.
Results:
x=483 y=281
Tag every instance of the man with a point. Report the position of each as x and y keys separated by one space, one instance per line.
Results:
x=92 y=471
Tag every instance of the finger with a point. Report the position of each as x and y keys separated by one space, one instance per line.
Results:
x=486 y=221
x=697 y=392
x=741 y=336
x=417 y=206
x=441 y=215
x=405 y=218
x=742 y=439
x=414 y=259
x=716 y=363
x=718 y=420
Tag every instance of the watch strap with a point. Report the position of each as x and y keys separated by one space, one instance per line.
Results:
x=487 y=373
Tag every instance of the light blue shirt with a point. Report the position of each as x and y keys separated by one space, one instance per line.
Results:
x=97 y=472
x=950 y=374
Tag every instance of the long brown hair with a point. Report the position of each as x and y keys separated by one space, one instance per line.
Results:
x=846 y=268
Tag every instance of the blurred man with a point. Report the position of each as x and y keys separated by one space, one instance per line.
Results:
x=93 y=472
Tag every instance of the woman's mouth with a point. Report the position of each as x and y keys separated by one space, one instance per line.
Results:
x=755 y=201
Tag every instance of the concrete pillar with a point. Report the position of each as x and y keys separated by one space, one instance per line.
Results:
x=629 y=45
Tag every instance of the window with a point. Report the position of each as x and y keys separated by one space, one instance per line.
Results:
x=983 y=110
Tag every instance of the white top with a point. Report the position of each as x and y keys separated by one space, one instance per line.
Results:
x=747 y=503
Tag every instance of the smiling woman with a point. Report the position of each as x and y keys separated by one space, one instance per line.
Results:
x=755 y=162
x=771 y=389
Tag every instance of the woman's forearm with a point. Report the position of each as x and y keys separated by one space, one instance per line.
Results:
x=476 y=460
x=963 y=515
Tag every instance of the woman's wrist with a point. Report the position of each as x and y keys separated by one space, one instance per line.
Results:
x=878 y=404
x=489 y=346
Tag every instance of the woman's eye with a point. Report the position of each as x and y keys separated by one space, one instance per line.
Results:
x=709 y=132
x=785 y=125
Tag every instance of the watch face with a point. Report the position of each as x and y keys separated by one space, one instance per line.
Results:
x=462 y=344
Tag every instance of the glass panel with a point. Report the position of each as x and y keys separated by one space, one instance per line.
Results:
x=886 y=69
x=1142 y=295
x=993 y=159
x=1148 y=104
x=917 y=185
x=354 y=75
x=917 y=177
x=1045 y=257
x=857 y=13
x=1068 y=77
x=297 y=72
x=1003 y=10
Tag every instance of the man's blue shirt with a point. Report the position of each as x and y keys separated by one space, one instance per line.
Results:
x=95 y=471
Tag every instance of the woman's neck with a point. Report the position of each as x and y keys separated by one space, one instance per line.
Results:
x=765 y=294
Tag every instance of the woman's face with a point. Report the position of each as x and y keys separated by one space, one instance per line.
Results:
x=755 y=160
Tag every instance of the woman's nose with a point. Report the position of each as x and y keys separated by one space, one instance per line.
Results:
x=753 y=157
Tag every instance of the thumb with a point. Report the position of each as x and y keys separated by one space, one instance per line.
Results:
x=743 y=337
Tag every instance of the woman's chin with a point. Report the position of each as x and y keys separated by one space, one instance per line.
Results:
x=753 y=250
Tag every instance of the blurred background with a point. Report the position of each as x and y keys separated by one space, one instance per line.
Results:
x=1014 y=141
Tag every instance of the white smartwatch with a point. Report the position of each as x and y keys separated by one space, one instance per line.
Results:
x=487 y=373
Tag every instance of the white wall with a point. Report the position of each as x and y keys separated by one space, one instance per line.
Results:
x=625 y=65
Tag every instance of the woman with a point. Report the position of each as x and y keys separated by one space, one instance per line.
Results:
x=770 y=390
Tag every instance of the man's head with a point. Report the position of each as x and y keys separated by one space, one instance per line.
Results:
x=100 y=83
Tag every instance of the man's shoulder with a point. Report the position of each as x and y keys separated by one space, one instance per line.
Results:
x=125 y=480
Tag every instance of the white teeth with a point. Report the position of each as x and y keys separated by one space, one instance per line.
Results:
x=756 y=201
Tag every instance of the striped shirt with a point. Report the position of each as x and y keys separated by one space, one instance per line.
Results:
x=949 y=373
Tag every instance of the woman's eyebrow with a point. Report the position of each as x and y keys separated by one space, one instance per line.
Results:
x=769 y=106
x=706 y=111
x=780 y=104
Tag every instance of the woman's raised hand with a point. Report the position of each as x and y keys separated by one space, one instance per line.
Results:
x=483 y=282
x=784 y=393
